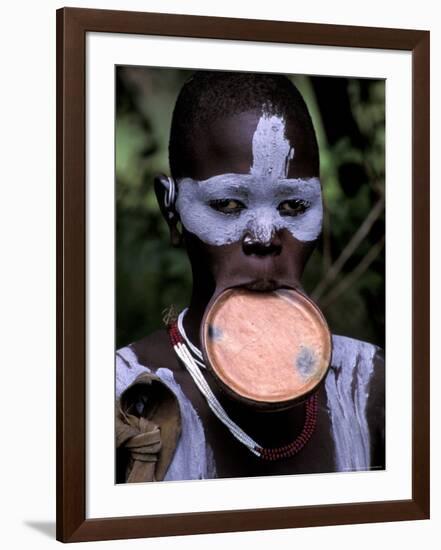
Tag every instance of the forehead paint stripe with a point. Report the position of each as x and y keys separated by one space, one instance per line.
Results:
x=271 y=150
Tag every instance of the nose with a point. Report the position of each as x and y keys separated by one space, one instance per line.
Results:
x=269 y=246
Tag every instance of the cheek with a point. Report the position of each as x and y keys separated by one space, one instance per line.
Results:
x=305 y=252
x=295 y=252
x=222 y=262
x=211 y=227
x=308 y=226
x=228 y=265
x=230 y=261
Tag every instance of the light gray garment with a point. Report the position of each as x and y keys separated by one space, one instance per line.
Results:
x=193 y=458
x=347 y=390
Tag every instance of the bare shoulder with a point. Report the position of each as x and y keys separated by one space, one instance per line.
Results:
x=153 y=351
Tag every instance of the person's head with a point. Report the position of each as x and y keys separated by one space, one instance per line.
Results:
x=245 y=166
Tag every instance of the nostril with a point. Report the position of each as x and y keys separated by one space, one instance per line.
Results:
x=260 y=248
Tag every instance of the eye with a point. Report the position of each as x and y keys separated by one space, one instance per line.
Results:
x=293 y=207
x=227 y=206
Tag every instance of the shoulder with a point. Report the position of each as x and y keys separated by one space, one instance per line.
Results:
x=143 y=368
x=149 y=354
x=347 y=352
x=355 y=388
x=356 y=362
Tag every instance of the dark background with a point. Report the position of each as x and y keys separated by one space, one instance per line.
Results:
x=345 y=274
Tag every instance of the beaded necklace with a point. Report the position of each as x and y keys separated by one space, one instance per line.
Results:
x=192 y=359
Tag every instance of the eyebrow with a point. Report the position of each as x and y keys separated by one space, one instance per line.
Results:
x=242 y=189
x=213 y=188
x=287 y=187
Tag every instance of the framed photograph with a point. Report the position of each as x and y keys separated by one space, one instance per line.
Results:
x=242 y=274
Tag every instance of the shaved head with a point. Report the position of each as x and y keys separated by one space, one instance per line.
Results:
x=210 y=98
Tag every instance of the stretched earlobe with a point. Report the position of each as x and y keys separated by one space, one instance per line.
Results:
x=166 y=192
x=176 y=238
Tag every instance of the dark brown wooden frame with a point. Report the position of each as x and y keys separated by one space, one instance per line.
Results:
x=72 y=26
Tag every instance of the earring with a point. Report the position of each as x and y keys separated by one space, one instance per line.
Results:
x=169 y=201
x=170 y=194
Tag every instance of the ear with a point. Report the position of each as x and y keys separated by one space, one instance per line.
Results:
x=165 y=191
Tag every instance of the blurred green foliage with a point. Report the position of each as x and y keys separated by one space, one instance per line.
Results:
x=349 y=118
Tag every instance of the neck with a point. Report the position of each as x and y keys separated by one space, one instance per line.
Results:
x=202 y=291
x=269 y=428
x=193 y=319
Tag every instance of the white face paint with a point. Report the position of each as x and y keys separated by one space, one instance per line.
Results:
x=223 y=209
x=272 y=152
x=262 y=211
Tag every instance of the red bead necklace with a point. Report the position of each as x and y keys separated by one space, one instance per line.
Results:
x=266 y=453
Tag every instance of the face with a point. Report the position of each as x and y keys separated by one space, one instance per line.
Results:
x=252 y=208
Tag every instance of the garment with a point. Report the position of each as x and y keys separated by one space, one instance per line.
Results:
x=347 y=386
x=148 y=427
x=193 y=457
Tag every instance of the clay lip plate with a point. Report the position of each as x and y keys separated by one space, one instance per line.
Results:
x=268 y=347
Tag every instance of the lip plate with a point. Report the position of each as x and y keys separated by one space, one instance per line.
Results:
x=226 y=380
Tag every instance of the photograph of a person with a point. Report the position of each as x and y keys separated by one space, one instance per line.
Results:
x=250 y=264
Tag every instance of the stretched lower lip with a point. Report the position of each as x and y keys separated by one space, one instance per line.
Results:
x=262 y=285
